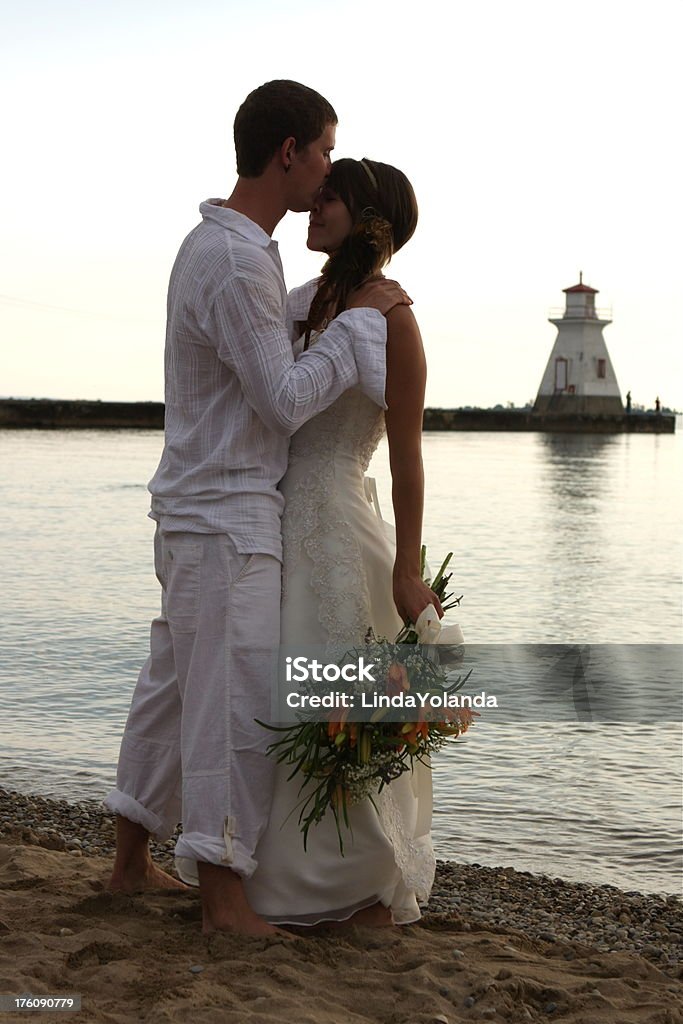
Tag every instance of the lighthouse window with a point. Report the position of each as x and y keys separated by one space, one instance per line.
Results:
x=602 y=363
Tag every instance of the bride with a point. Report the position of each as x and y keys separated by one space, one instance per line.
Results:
x=341 y=571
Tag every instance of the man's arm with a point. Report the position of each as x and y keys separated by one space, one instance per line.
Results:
x=248 y=325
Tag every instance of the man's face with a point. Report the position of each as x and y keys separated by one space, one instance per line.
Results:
x=308 y=171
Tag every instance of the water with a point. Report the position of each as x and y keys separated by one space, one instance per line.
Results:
x=557 y=539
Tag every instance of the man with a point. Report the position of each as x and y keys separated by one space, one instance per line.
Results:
x=233 y=396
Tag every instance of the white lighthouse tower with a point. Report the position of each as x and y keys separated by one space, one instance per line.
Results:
x=579 y=377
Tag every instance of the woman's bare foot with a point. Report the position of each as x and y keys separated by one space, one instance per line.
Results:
x=375 y=916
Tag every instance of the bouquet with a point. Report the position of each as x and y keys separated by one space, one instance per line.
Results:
x=353 y=754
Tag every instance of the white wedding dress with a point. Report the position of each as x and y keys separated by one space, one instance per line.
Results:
x=337 y=582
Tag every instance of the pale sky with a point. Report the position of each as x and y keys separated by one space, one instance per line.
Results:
x=542 y=138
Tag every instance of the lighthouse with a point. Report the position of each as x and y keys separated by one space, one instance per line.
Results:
x=579 y=377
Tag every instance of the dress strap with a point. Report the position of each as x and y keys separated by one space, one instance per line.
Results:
x=370 y=488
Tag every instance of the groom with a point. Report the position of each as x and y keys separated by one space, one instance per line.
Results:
x=234 y=395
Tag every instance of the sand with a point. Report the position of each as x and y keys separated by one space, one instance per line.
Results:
x=143 y=958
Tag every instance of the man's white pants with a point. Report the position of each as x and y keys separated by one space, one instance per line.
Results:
x=191 y=750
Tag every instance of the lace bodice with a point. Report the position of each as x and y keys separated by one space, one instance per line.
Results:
x=353 y=425
x=327 y=459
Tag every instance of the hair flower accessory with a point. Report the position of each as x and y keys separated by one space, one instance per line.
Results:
x=375 y=231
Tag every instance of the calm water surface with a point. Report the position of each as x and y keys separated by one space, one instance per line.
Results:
x=557 y=539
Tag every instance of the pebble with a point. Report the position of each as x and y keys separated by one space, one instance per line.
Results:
x=458 y=953
x=197 y=969
x=556 y=910
x=550 y=1007
x=440 y=1018
x=469 y=1002
x=78 y=826
x=66 y=931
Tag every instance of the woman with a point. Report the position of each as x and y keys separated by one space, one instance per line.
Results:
x=340 y=571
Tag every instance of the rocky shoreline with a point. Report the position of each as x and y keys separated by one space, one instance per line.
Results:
x=571 y=915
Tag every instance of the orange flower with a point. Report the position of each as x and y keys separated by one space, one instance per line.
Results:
x=466 y=717
x=336 y=725
x=416 y=729
x=333 y=728
x=397 y=679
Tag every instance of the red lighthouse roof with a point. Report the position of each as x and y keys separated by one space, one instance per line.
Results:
x=581 y=287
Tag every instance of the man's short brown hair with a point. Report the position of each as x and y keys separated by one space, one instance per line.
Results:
x=272 y=113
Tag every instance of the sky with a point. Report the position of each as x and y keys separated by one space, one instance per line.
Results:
x=541 y=139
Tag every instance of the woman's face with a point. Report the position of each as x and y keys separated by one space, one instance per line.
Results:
x=330 y=222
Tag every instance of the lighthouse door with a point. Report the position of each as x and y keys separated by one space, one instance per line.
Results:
x=561 y=374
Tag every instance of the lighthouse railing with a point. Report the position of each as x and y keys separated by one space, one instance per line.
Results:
x=562 y=313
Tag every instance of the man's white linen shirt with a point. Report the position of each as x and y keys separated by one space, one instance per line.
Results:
x=234 y=393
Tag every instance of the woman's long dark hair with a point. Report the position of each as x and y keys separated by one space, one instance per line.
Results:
x=383 y=210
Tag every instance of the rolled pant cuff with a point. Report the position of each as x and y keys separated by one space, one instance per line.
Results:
x=129 y=808
x=227 y=853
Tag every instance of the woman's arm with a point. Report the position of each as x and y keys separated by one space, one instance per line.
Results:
x=406 y=378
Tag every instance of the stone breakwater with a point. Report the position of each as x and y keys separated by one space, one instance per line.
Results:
x=571 y=915
x=63 y=414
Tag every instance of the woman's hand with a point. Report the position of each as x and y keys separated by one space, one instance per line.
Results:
x=412 y=595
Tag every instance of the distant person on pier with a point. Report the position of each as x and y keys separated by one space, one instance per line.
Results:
x=628 y=401
x=658 y=405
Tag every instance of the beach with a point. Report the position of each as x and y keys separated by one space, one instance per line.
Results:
x=493 y=944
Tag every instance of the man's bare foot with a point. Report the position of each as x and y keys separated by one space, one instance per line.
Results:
x=225 y=907
x=134 y=870
x=143 y=878
x=256 y=927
